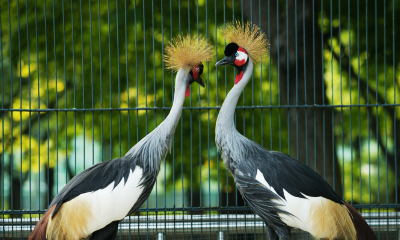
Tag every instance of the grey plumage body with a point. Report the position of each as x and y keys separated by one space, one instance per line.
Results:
x=240 y=156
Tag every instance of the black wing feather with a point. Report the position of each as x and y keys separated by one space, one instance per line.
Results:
x=97 y=177
x=284 y=172
x=260 y=199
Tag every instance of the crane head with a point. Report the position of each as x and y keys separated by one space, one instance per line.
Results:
x=247 y=41
x=194 y=76
x=195 y=73
x=234 y=55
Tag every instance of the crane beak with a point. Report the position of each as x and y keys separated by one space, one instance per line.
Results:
x=223 y=62
x=200 y=81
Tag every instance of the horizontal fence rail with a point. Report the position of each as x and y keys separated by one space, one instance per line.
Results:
x=196 y=224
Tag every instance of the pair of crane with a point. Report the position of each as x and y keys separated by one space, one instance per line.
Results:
x=284 y=192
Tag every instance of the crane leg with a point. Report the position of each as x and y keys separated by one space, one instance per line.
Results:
x=109 y=232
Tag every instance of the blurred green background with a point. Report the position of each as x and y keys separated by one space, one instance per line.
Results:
x=83 y=81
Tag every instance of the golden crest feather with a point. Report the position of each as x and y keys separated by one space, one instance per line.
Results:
x=187 y=51
x=250 y=37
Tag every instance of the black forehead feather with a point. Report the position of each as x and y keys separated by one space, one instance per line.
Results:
x=230 y=49
x=201 y=66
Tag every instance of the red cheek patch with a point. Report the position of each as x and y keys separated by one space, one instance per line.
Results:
x=238 y=77
x=195 y=72
x=240 y=62
x=187 y=93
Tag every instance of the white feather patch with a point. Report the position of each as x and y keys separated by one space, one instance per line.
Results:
x=112 y=204
x=242 y=56
x=300 y=208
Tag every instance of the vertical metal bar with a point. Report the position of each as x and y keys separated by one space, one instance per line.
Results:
x=279 y=79
x=127 y=77
x=55 y=76
x=323 y=86
x=2 y=123
x=83 y=90
x=244 y=92
x=216 y=84
x=377 y=110
x=137 y=88
x=172 y=91
x=359 y=93
x=91 y=75
x=73 y=72
x=165 y=162
x=109 y=73
x=394 y=110
x=287 y=72
x=368 y=109
x=101 y=84
x=155 y=103
x=48 y=114
x=376 y=97
x=269 y=77
x=119 y=79
x=30 y=122
x=385 y=72
x=11 y=119
x=252 y=76
x=38 y=101
x=208 y=125
x=297 y=80
x=261 y=86
x=332 y=110
x=314 y=91
x=351 y=117
x=200 y=182
x=350 y=108
x=127 y=94
x=3 y=177
x=191 y=139
x=65 y=93
x=341 y=99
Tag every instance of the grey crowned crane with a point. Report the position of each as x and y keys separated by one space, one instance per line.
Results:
x=97 y=199
x=284 y=192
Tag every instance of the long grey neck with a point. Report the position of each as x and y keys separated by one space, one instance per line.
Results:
x=225 y=121
x=155 y=145
x=179 y=97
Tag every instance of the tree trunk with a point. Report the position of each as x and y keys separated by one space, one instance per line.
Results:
x=301 y=81
x=50 y=184
x=16 y=196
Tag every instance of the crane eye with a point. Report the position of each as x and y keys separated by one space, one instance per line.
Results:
x=237 y=54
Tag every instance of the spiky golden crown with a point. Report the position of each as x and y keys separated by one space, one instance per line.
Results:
x=249 y=37
x=187 y=51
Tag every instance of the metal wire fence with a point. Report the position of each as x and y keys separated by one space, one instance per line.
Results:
x=83 y=81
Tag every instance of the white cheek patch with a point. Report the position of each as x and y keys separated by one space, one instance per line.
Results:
x=241 y=58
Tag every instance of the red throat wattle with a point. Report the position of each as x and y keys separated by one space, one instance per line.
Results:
x=240 y=62
x=187 y=93
x=238 y=77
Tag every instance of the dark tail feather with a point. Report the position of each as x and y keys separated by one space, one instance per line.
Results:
x=39 y=232
x=364 y=231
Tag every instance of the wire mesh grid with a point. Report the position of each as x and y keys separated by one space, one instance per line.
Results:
x=83 y=81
